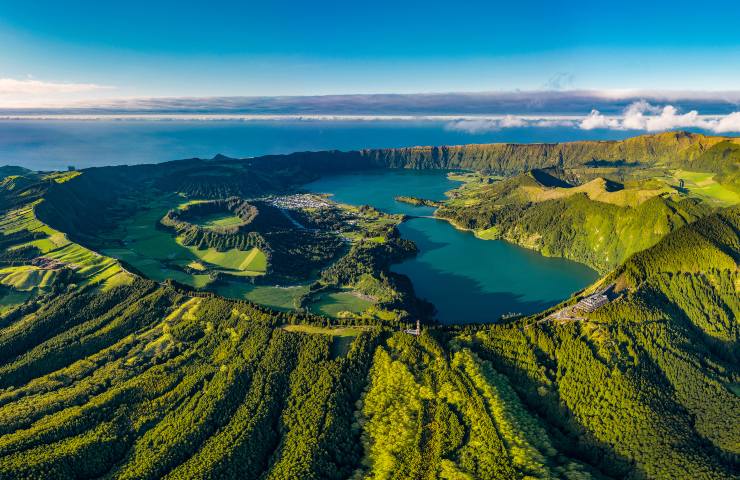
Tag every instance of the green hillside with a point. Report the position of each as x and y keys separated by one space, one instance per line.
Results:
x=686 y=150
x=120 y=359
x=599 y=223
x=142 y=381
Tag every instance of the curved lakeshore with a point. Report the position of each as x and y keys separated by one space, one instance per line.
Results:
x=468 y=279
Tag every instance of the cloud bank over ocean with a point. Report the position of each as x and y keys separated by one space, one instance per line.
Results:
x=551 y=102
x=652 y=111
x=639 y=116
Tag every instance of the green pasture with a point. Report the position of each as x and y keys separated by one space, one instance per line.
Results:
x=332 y=331
x=342 y=337
x=26 y=277
x=488 y=233
x=92 y=267
x=253 y=260
x=9 y=298
x=219 y=219
x=334 y=303
x=703 y=185
x=153 y=251
x=279 y=298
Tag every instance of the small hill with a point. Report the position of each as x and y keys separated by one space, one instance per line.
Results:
x=7 y=170
x=602 y=190
x=547 y=180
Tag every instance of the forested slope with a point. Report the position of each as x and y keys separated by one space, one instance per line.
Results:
x=645 y=387
x=591 y=225
x=145 y=381
x=107 y=375
x=675 y=149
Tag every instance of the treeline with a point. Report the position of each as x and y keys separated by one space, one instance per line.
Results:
x=617 y=397
x=298 y=254
x=434 y=409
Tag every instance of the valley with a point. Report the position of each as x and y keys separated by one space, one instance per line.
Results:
x=243 y=318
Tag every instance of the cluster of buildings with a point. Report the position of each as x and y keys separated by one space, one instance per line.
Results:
x=591 y=303
x=298 y=201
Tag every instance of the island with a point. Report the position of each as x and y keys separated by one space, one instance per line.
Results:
x=418 y=202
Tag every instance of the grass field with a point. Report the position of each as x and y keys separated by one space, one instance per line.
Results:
x=90 y=267
x=197 y=266
x=253 y=260
x=154 y=251
x=333 y=331
x=333 y=304
x=279 y=298
x=220 y=219
x=597 y=190
x=10 y=298
x=487 y=234
x=342 y=336
x=26 y=277
x=703 y=184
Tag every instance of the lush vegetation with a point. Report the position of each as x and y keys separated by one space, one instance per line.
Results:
x=117 y=369
x=690 y=151
x=419 y=202
x=600 y=223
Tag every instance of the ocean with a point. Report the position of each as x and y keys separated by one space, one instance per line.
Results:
x=57 y=144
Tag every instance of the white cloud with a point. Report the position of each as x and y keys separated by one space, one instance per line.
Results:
x=658 y=119
x=644 y=116
x=546 y=122
x=474 y=126
x=483 y=125
x=29 y=86
x=595 y=120
x=728 y=123
x=511 y=121
x=33 y=93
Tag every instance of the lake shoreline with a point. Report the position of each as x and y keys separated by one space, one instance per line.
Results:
x=468 y=281
x=507 y=240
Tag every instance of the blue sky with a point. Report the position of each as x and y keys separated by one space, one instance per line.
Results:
x=162 y=48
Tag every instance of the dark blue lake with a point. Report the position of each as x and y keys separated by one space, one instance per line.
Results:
x=467 y=279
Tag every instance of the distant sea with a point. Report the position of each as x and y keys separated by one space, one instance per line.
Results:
x=56 y=144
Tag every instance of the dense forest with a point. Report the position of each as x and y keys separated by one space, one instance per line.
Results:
x=580 y=224
x=144 y=381
x=107 y=374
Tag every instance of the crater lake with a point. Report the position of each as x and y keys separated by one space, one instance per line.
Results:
x=469 y=279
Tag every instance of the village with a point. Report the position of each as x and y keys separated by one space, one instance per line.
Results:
x=298 y=201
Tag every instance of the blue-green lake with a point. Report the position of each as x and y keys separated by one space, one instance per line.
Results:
x=467 y=279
